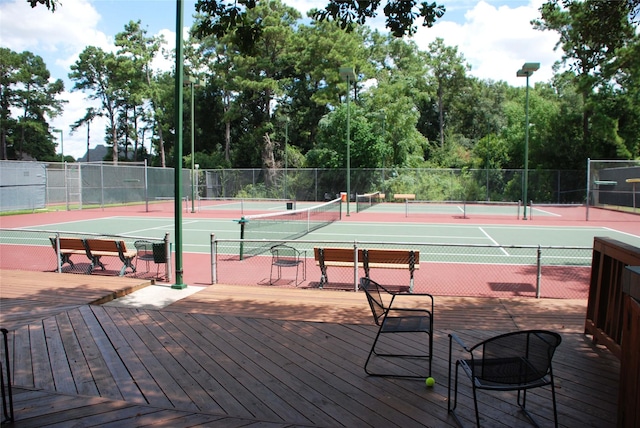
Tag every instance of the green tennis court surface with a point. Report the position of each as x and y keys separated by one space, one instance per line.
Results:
x=197 y=232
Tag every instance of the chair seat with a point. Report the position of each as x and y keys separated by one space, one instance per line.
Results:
x=504 y=373
x=410 y=324
x=286 y=263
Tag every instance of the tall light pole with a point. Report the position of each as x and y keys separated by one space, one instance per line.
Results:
x=64 y=166
x=527 y=70
x=177 y=149
x=61 y=143
x=286 y=143
x=348 y=74
x=193 y=81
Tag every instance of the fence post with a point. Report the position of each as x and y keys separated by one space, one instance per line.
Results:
x=214 y=258
x=167 y=247
x=539 y=275
x=355 y=266
x=58 y=255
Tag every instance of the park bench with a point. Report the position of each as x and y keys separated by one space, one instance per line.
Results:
x=95 y=249
x=404 y=196
x=367 y=259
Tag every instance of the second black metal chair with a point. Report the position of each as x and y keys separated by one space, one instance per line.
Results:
x=400 y=313
x=516 y=361
x=285 y=256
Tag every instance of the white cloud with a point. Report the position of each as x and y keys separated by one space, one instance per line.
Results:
x=496 y=41
x=64 y=33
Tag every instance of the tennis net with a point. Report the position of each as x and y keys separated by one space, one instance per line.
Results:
x=285 y=225
x=367 y=200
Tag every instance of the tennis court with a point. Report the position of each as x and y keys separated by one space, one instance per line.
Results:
x=498 y=255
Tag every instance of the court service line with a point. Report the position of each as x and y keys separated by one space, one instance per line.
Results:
x=547 y=212
x=494 y=241
x=621 y=232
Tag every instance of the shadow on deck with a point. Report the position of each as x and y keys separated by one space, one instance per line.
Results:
x=257 y=356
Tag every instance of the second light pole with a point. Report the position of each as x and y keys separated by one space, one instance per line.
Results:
x=527 y=70
x=193 y=81
x=348 y=74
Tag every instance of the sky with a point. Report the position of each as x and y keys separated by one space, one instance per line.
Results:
x=494 y=36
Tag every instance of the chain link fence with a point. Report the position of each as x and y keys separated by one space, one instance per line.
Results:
x=81 y=185
x=444 y=269
x=36 y=250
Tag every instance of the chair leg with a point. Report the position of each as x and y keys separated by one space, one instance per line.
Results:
x=475 y=404
x=374 y=352
x=451 y=405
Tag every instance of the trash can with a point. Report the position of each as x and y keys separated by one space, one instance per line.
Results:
x=343 y=196
x=289 y=205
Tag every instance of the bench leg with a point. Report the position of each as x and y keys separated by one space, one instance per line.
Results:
x=127 y=263
x=323 y=276
x=66 y=258
x=95 y=261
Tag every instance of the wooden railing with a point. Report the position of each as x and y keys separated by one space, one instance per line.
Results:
x=606 y=306
x=613 y=317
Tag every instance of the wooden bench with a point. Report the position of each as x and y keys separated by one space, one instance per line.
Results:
x=94 y=249
x=404 y=196
x=367 y=259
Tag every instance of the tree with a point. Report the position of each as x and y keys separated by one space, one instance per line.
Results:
x=448 y=75
x=90 y=115
x=25 y=87
x=591 y=33
x=223 y=16
x=140 y=51
x=366 y=148
x=98 y=72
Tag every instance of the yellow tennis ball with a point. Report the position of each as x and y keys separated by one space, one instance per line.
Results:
x=430 y=381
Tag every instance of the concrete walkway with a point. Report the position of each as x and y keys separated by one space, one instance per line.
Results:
x=156 y=296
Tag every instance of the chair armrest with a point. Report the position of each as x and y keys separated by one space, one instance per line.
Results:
x=403 y=297
x=426 y=312
x=460 y=342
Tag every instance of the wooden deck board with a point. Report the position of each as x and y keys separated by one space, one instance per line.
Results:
x=238 y=356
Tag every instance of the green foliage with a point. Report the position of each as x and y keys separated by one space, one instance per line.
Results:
x=27 y=91
x=366 y=148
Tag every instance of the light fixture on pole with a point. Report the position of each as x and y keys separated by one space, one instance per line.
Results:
x=193 y=81
x=348 y=74
x=527 y=70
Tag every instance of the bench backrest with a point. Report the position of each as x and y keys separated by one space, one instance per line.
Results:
x=400 y=257
x=103 y=245
x=337 y=254
x=70 y=243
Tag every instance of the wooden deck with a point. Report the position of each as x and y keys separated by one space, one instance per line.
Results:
x=259 y=356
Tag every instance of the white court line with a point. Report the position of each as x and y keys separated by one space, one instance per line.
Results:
x=619 y=231
x=547 y=212
x=494 y=241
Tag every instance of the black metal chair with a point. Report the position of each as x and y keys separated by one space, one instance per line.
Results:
x=148 y=252
x=285 y=256
x=516 y=361
x=395 y=319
